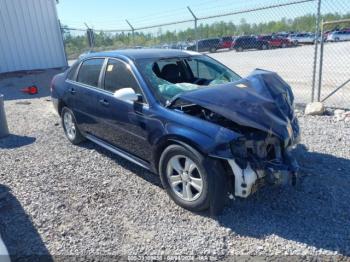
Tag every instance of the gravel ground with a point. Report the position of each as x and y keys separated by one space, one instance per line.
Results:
x=60 y=199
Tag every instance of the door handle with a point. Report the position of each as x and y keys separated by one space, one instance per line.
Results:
x=104 y=102
x=72 y=91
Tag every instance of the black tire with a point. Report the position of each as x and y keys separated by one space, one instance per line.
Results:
x=208 y=184
x=284 y=45
x=77 y=138
x=239 y=49
x=336 y=39
x=212 y=49
x=264 y=47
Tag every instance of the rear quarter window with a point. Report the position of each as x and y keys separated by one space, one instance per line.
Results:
x=72 y=72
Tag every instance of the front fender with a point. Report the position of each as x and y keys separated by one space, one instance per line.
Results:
x=216 y=144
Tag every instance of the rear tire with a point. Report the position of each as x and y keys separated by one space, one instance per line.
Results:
x=212 y=49
x=239 y=49
x=185 y=178
x=70 y=127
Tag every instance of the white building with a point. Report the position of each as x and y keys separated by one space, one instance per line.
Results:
x=30 y=35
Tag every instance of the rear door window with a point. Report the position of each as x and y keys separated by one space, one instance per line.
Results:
x=118 y=75
x=89 y=72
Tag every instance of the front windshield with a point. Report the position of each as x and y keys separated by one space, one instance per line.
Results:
x=172 y=76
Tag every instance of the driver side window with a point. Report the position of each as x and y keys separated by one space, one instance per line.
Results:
x=118 y=75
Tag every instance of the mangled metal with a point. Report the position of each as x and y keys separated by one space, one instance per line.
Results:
x=260 y=109
x=257 y=109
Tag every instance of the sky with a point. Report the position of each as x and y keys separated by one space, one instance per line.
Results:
x=111 y=14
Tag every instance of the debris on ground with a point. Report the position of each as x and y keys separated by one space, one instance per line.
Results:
x=314 y=109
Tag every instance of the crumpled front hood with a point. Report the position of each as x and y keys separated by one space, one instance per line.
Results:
x=263 y=100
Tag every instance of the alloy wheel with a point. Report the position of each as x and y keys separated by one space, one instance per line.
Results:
x=184 y=178
x=69 y=125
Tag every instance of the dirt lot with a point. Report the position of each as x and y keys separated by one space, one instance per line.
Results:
x=59 y=199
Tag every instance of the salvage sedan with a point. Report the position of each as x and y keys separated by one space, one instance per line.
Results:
x=207 y=132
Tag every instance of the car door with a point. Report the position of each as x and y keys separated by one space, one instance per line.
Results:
x=82 y=95
x=274 y=41
x=253 y=42
x=346 y=35
x=246 y=43
x=123 y=121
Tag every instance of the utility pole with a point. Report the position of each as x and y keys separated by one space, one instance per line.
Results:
x=133 y=32
x=195 y=26
x=90 y=36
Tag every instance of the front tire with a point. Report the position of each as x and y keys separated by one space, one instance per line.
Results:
x=239 y=49
x=185 y=178
x=70 y=127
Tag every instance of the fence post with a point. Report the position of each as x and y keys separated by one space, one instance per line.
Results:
x=320 y=71
x=195 y=26
x=318 y=20
x=63 y=42
x=132 y=32
x=4 y=131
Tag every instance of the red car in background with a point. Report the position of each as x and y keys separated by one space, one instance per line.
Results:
x=226 y=42
x=276 y=41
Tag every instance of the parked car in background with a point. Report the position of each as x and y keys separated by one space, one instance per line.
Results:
x=343 y=35
x=206 y=45
x=249 y=42
x=281 y=34
x=302 y=38
x=226 y=42
x=203 y=129
x=275 y=41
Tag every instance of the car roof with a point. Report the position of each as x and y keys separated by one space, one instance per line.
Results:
x=135 y=54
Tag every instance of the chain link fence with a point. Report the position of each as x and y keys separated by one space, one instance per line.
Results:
x=292 y=38
x=333 y=64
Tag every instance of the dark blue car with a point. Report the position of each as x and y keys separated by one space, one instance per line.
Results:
x=207 y=132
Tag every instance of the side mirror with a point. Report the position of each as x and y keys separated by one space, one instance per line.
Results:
x=127 y=94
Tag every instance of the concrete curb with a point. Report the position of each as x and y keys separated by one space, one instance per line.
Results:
x=4 y=131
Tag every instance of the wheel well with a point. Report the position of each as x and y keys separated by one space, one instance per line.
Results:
x=168 y=142
x=61 y=105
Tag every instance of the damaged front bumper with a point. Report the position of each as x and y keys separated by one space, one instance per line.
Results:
x=259 y=162
x=247 y=180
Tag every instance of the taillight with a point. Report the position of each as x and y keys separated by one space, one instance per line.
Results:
x=31 y=90
x=51 y=84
